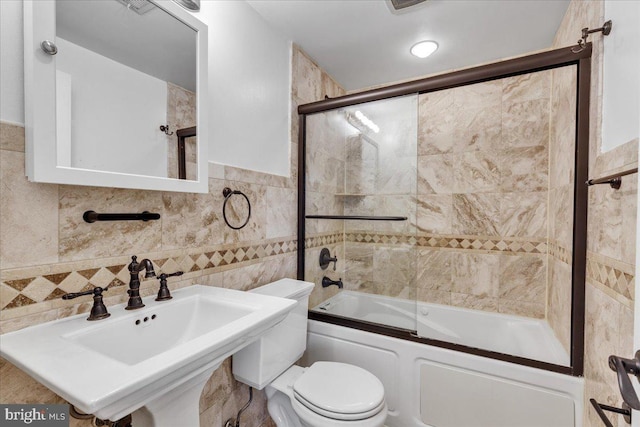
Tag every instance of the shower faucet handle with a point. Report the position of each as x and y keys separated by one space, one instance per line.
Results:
x=326 y=259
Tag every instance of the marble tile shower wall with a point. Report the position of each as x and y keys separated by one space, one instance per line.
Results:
x=611 y=235
x=476 y=202
x=47 y=250
x=327 y=134
x=561 y=177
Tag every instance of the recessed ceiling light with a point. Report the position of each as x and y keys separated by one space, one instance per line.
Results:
x=424 y=48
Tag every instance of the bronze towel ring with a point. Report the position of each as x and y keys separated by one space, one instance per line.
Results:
x=227 y=193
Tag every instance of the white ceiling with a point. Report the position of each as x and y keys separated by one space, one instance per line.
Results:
x=362 y=43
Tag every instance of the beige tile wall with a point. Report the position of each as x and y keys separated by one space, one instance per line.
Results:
x=46 y=249
x=325 y=164
x=561 y=182
x=481 y=176
x=482 y=173
x=611 y=234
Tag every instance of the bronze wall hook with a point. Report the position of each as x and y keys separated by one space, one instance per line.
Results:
x=165 y=129
x=582 y=42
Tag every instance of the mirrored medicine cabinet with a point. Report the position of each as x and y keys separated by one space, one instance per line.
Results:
x=115 y=94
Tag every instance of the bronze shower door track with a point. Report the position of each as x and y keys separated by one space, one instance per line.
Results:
x=527 y=64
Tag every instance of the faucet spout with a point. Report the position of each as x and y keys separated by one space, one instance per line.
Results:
x=328 y=282
x=135 y=267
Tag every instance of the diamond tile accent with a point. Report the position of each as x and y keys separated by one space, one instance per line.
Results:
x=116 y=269
x=7 y=294
x=228 y=256
x=515 y=246
x=115 y=283
x=73 y=283
x=57 y=293
x=39 y=289
x=102 y=278
x=215 y=258
x=20 y=284
x=56 y=279
x=30 y=290
x=501 y=245
x=202 y=261
x=19 y=301
x=88 y=274
x=186 y=263
x=609 y=276
x=239 y=255
x=251 y=253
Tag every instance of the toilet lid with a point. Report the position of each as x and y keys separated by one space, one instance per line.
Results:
x=340 y=391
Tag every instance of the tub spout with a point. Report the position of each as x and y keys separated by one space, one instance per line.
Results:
x=328 y=282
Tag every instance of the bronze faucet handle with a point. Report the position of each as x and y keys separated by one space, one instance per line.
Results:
x=163 y=292
x=177 y=273
x=96 y=291
x=99 y=310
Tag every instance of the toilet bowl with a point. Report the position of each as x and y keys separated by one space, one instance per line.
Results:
x=326 y=394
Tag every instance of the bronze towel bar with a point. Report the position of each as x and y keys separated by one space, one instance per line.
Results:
x=615 y=180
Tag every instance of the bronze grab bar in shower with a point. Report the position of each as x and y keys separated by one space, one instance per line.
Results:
x=615 y=180
x=358 y=217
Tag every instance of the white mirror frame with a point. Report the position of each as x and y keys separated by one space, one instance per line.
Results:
x=40 y=109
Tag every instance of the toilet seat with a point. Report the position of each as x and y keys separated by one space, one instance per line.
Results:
x=339 y=391
x=308 y=418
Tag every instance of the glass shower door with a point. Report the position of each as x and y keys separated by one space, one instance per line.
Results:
x=360 y=205
x=495 y=202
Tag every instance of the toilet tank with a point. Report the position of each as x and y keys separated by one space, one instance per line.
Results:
x=278 y=349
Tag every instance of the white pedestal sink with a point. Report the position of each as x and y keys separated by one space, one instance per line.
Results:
x=152 y=362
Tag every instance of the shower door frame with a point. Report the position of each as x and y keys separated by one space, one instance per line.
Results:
x=527 y=64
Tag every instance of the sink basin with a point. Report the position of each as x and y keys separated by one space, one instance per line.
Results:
x=167 y=326
x=152 y=362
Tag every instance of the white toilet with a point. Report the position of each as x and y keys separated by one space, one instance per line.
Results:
x=326 y=394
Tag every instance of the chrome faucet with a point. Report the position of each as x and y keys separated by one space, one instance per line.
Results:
x=135 y=301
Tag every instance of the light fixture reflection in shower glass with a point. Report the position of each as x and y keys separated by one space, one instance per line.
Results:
x=424 y=48
x=367 y=121
x=189 y=4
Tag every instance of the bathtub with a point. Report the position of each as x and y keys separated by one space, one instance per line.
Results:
x=514 y=335
x=428 y=386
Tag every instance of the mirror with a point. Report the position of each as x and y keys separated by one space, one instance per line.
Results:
x=117 y=105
